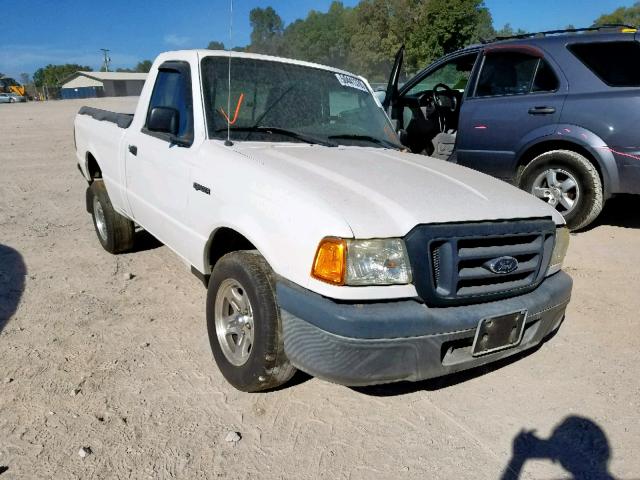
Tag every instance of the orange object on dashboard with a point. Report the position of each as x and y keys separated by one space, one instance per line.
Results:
x=235 y=115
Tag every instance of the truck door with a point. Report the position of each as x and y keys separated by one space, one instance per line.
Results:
x=158 y=156
x=517 y=94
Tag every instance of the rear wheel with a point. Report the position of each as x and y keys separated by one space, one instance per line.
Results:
x=243 y=321
x=115 y=232
x=568 y=182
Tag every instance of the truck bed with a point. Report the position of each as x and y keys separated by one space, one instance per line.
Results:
x=123 y=120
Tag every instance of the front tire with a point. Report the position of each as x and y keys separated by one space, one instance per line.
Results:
x=115 y=232
x=568 y=182
x=243 y=322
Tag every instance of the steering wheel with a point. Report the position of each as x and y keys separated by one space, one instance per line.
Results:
x=446 y=91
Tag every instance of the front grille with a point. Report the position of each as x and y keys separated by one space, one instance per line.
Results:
x=451 y=261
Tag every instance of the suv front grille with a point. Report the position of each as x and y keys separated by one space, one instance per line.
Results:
x=451 y=261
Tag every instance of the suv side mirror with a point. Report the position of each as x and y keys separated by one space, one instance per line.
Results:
x=164 y=120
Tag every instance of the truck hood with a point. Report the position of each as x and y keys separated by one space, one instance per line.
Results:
x=386 y=193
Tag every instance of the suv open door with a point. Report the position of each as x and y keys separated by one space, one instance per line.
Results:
x=394 y=78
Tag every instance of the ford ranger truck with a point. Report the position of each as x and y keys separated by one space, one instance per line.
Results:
x=324 y=246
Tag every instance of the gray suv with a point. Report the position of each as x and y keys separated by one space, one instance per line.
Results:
x=555 y=113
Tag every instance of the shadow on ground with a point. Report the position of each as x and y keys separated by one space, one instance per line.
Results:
x=145 y=241
x=577 y=443
x=620 y=211
x=12 y=274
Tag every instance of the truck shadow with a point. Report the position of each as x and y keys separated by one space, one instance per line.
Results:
x=12 y=273
x=144 y=241
x=619 y=211
x=578 y=444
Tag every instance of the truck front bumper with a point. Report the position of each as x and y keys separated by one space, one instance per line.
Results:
x=370 y=343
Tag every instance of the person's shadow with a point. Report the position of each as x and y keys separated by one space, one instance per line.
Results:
x=578 y=444
x=12 y=273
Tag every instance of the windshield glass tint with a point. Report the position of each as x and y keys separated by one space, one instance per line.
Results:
x=312 y=103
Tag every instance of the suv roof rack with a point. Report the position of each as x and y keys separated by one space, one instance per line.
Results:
x=618 y=27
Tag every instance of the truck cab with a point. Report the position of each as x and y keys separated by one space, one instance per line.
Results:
x=325 y=246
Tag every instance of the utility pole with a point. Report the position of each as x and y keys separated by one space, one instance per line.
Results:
x=107 y=59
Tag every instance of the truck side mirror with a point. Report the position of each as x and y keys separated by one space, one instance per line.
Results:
x=164 y=120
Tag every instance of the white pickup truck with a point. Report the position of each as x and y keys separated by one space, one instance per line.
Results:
x=324 y=246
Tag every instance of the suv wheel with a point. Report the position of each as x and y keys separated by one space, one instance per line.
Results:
x=243 y=321
x=568 y=182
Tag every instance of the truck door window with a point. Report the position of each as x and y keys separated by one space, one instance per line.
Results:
x=173 y=89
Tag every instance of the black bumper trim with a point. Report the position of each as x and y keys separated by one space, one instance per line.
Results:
x=359 y=362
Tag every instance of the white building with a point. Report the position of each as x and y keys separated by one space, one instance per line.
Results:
x=102 y=84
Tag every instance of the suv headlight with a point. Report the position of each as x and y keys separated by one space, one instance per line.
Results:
x=559 y=250
x=362 y=262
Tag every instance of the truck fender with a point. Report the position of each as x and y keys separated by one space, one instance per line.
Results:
x=236 y=227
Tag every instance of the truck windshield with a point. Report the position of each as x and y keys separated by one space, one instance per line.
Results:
x=281 y=102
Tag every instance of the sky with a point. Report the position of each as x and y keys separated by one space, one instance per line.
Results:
x=39 y=32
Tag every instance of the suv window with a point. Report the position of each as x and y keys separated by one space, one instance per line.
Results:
x=546 y=80
x=173 y=89
x=616 y=63
x=455 y=74
x=514 y=73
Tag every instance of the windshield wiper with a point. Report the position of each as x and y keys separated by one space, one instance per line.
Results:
x=366 y=138
x=281 y=131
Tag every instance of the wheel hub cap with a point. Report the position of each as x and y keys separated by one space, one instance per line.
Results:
x=234 y=322
x=98 y=214
x=559 y=188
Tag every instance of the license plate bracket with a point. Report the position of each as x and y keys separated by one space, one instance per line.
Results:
x=498 y=333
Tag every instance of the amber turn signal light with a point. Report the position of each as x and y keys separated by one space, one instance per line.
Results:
x=330 y=262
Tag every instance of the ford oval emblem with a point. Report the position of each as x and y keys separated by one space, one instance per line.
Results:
x=502 y=265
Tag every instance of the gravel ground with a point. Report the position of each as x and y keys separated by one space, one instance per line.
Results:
x=106 y=376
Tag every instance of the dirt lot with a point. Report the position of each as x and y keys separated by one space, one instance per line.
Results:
x=90 y=358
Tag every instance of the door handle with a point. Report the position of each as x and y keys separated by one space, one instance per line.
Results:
x=133 y=150
x=542 y=110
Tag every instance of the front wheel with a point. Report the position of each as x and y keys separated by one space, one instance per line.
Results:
x=243 y=322
x=568 y=182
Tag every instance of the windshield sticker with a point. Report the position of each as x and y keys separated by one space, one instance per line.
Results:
x=353 y=82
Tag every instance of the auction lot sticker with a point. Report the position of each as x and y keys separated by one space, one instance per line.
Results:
x=349 y=81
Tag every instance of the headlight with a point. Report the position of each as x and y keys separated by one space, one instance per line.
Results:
x=559 y=250
x=362 y=262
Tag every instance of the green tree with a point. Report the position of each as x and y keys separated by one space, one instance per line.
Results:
x=25 y=78
x=53 y=75
x=321 y=37
x=377 y=29
x=215 y=45
x=144 y=66
x=508 y=31
x=267 y=28
x=623 y=15
x=446 y=26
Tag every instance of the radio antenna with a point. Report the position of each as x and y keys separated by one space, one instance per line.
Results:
x=228 y=142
